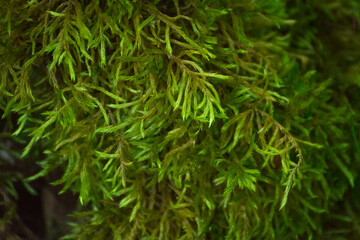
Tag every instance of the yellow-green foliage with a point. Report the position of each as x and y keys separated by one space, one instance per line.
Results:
x=195 y=119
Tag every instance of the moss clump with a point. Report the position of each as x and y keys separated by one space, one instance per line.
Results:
x=190 y=119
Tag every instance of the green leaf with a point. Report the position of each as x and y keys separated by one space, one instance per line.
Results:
x=289 y=185
x=56 y=14
x=167 y=39
x=85 y=186
x=114 y=96
x=344 y=169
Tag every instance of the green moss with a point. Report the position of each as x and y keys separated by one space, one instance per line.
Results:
x=190 y=119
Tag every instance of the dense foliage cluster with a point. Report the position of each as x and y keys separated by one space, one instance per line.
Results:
x=196 y=119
